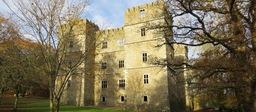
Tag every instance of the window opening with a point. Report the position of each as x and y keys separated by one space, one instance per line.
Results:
x=143 y=32
x=144 y=57
x=142 y=13
x=104 y=84
x=145 y=77
x=122 y=83
x=121 y=63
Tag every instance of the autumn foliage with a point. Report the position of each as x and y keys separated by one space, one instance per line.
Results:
x=225 y=71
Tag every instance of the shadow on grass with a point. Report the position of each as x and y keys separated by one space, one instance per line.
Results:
x=42 y=105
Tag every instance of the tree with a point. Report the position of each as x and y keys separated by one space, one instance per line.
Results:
x=7 y=30
x=229 y=26
x=17 y=66
x=51 y=23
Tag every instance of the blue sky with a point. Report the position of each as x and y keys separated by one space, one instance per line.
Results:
x=105 y=13
x=110 y=12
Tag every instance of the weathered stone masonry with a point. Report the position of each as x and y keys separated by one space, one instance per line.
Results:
x=121 y=72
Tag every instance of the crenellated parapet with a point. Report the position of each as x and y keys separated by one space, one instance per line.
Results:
x=112 y=31
x=144 y=13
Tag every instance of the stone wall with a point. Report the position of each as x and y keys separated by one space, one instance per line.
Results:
x=161 y=89
x=152 y=11
x=80 y=88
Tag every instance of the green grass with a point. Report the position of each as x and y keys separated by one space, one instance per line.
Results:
x=42 y=105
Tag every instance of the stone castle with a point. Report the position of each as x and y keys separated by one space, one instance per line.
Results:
x=125 y=70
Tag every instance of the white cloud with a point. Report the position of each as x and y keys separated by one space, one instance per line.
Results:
x=101 y=22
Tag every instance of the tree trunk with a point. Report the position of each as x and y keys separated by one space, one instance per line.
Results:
x=16 y=98
x=57 y=104
x=51 y=101
x=51 y=91
x=16 y=102
x=1 y=100
x=2 y=92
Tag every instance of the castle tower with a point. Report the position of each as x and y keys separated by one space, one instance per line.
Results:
x=147 y=83
x=129 y=68
x=79 y=39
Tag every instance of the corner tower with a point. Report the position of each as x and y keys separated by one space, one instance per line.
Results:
x=148 y=83
x=78 y=65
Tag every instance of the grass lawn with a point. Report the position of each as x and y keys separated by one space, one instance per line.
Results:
x=42 y=105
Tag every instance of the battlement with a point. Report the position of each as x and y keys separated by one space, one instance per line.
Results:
x=86 y=23
x=90 y=22
x=144 y=12
x=135 y=9
x=111 y=31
